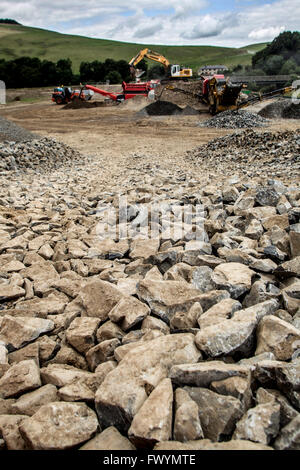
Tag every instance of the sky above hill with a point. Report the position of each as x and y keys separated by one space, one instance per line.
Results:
x=233 y=23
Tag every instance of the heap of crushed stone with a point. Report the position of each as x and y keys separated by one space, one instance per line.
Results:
x=251 y=153
x=39 y=155
x=281 y=108
x=12 y=132
x=235 y=119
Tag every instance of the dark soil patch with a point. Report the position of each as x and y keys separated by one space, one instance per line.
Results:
x=160 y=108
x=79 y=104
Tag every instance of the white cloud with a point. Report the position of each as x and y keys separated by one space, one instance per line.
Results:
x=188 y=22
x=262 y=34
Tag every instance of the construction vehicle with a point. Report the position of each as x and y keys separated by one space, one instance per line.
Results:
x=130 y=90
x=219 y=94
x=63 y=95
x=172 y=71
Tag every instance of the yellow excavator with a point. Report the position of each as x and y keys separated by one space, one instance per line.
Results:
x=172 y=71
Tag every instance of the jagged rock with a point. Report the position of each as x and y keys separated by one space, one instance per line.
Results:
x=40 y=271
x=15 y=332
x=109 y=330
x=98 y=298
x=47 y=348
x=68 y=355
x=62 y=374
x=291 y=295
x=153 y=323
x=31 y=351
x=20 y=378
x=259 y=424
x=260 y=292
x=219 y=312
x=9 y=428
x=277 y=336
x=227 y=338
x=138 y=373
x=3 y=354
x=289 y=436
x=201 y=278
x=81 y=333
x=128 y=312
x=165 y=298
x=59 y=426
x=288 y=268
x=30 y=402
x=238 y=387
x=202 y=374
x=144 y=248
x=218 y=413
x=37 y=307
x=294 y=244
x=153 y=421
x=186 y=320
x=234 y=277
x=265 y=371
x=109 y=439
x=266 y=197
x=10 y=292
x=288 y=381
x=102 y=352
x=287 y=412
x=263 y=265
x=187 y=426
x=209 y=299
x=6 y=406
x=256 y=312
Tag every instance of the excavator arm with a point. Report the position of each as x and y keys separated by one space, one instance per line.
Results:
x=150 y=55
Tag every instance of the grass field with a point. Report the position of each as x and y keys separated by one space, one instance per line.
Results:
x=17 y=41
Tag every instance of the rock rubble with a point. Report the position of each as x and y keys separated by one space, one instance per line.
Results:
x=171 y=342
x=236 y=119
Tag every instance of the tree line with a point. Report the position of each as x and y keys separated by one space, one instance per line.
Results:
x=32 y=72
x=8 y=21
x=26 y=72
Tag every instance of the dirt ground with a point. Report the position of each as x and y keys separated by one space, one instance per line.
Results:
x=112 y=133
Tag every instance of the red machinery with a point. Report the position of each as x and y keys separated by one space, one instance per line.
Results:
x=63 y=95
x=130 y=90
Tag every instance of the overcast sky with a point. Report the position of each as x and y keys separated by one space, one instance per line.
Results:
x=178 y=22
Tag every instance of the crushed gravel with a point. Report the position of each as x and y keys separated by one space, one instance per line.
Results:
x=236 y=119
x=12 y=132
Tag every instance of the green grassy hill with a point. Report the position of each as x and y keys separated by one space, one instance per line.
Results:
x=17 y=41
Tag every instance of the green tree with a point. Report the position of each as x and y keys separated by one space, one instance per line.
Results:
x=64 y=71
x=286 y=45
x=157 y=71
x=86 y=72
x=289 y=67
x=124 y=70
x=273 y=64
x=114 y=77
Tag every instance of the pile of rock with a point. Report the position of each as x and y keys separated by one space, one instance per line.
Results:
x=12 y=132
x=252 y=153
x=160 y=108
x=39 y=155
x=236 y=119
x=282 y=108
x=165 y=343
